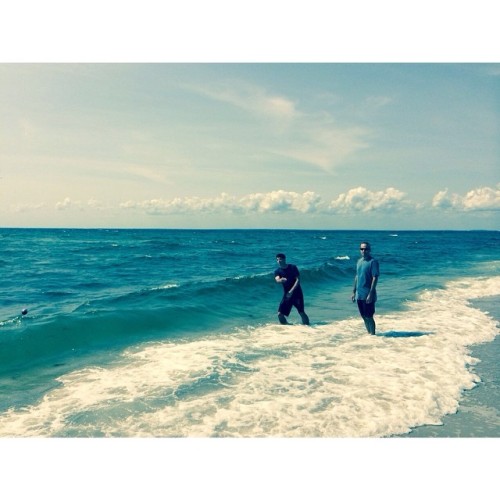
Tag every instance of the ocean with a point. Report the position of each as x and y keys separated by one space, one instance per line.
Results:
x=174 y=333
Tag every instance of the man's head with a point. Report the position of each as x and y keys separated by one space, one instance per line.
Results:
x=281 y=259
x=365 y=249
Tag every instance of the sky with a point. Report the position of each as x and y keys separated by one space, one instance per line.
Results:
x=269 y=145
x=205 y=115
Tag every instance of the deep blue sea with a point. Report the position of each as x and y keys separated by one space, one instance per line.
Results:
x=134 y=333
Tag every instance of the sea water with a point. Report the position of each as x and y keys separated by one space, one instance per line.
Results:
x=174 y=333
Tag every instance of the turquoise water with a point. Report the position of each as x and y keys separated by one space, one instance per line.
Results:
x=174 y=333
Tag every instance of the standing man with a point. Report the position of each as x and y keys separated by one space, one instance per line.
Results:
x=365 y=283
x=288 y=276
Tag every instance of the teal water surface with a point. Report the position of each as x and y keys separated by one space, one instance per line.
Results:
x=174 y=333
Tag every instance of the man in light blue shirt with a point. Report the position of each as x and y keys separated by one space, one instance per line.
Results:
x=365 y=283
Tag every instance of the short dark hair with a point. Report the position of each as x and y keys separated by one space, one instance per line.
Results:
x=367 y=244
x=281 y=255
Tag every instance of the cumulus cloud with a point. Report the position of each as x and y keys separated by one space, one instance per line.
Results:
x=183 y=205
x=358 y=199
x=63 y=205
x=95 y=204
x=479 y=199
x=361 y=199
x=443 y=200
x=279 y=201
x=274 y=201
x=67 y=204
x=482 y=199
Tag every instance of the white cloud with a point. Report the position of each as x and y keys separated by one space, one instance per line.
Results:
x=479 y=199
x=282 y=201
x=67 y=204
x=322 y=144
x=443 y=200
x=361 y=199
x=355 y=202
x=375 y=102
x=27 y=207
x=95 y=204
x=277 y=106
x=482 y=199
x=250 y=98
x=313 y=138
x=275 y=201
x=186 y=205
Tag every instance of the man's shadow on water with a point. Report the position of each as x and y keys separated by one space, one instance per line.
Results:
x=393 y=334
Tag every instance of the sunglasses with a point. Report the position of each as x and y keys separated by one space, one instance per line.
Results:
x=364 y=249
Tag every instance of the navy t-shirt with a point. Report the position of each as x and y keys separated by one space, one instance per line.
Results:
x=291 y=273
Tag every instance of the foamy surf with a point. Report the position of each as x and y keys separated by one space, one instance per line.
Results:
x=329 y=380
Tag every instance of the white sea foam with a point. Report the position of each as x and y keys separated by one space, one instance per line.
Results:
x=328 y=380
x=165 y=287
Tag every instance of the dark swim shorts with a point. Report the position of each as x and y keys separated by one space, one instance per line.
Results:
x=286 y=304
x=366 y=310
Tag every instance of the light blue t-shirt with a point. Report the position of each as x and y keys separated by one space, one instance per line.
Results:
x=366 y=270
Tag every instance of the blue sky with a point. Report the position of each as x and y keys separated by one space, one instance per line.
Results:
x=356 y=115
x=293 y=145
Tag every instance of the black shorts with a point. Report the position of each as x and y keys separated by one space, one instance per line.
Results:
x=286 y=304
x=366 y=310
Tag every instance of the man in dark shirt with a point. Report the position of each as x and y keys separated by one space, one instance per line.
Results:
x=288 y=276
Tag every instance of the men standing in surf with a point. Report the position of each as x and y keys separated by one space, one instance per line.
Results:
x=365 y=283
x=288 y=276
